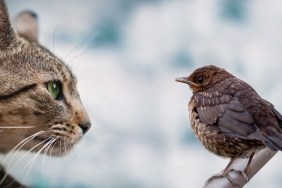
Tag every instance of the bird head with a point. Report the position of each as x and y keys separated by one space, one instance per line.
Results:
x=204 y=77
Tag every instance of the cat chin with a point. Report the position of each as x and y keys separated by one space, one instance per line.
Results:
x=59 y=153
x=54 y=147
x=62 y=150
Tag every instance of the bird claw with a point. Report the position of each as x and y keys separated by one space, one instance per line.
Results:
x=229 y=177
x=216 y=176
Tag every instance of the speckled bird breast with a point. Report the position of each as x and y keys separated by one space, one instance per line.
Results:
x=217 y=142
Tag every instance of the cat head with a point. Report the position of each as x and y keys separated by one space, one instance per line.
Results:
x=40 y=107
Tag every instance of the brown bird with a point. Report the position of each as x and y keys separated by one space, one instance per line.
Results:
x=229 y=117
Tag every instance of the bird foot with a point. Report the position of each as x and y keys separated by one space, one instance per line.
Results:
x=231 y=180
x=243 y=173
x=216 y=176
x=228 y=177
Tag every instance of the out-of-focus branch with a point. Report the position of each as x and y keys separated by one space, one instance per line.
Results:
x=259 y=160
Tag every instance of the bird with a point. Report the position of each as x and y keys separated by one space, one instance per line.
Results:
x=229 y=117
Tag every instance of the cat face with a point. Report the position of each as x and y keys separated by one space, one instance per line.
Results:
x=40 y=108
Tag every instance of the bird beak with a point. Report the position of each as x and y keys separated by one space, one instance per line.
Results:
x=183 y=80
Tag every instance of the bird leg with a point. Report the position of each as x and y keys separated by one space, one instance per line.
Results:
x=245 y=172
x=224 y=173
x=227 y=170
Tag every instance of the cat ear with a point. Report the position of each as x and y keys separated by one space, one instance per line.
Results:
x=26 y=25
x=8 y=38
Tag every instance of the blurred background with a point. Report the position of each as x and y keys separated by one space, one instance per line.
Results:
x=126 y=55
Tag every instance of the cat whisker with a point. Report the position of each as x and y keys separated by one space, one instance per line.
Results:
x=51 y=150
x=20 y=145
x=46 y=151
x=65 y=146
x=60 y=145
x=26 y=140
x=71 y=62
x=16 y=164
x=57 y=25
x=82 y=46
x=32 y=161
x=16 y=127
x=50 y=144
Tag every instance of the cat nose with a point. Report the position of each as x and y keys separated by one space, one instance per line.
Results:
x=85 y=126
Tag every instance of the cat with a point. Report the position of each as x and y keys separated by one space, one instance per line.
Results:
x=40 y=107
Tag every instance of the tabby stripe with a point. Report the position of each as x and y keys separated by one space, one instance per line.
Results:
x=22 y=90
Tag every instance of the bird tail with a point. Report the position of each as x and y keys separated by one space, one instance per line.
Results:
x=273 y=139
x=274 y=144
x=273 y=136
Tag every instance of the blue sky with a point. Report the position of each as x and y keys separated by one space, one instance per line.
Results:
x=126 y=55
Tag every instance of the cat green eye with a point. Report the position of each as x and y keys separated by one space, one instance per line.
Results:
x=55 y=89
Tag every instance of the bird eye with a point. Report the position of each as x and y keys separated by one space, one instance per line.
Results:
x=200 y=79
x=55 y=89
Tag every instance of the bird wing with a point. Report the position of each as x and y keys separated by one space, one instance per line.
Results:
x=234 y=120
x=228 y=114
